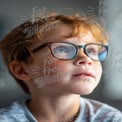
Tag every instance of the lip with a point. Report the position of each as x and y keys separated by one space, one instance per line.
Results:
x=84 y=74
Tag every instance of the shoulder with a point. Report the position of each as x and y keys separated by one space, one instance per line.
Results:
x=12 y=113
x=101 y=111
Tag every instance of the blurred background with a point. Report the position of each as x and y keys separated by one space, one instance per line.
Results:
x=14 y=12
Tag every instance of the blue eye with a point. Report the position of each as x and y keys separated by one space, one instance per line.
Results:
x=61 y=49
x=92 y=51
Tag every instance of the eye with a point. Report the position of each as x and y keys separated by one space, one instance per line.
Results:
x=92 y=51
x=61 y=49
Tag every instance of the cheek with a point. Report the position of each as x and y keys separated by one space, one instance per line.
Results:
x=44 y=67
x=49 y=70
x=98 y=71
x=51 y=66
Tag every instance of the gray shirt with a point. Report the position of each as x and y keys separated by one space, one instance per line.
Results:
x=92 y=111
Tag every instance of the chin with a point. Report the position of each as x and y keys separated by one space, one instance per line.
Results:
x=82 y=90
x=86 y=92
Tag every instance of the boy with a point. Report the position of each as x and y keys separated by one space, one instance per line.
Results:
x=56 y=59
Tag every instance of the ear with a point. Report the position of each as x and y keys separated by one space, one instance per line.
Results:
x=19 y=70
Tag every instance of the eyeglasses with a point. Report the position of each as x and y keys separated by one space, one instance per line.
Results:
x=67 y=51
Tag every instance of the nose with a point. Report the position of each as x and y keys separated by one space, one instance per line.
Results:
x=82 y=58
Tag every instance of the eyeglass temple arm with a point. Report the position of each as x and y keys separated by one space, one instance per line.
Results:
x=38 y=48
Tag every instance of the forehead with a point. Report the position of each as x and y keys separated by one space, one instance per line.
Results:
x=63 y=33
x=57 y=34
x=83 y=38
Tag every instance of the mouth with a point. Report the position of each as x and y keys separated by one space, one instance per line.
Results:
x=84 y=74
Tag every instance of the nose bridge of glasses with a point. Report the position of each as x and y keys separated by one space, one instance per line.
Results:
x=81 y=46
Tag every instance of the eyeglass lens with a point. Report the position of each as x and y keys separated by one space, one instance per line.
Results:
x=69 y=51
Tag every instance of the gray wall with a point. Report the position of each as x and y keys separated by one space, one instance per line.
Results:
x=13 y=12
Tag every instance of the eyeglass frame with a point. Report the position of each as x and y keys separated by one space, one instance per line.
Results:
x=48 y=44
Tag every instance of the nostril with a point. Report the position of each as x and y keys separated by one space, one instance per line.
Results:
x=83 y=59
x=81 y=62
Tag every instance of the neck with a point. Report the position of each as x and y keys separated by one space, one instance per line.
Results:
x=55 y=108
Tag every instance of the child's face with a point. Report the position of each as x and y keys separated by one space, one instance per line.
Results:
x=78 y=76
